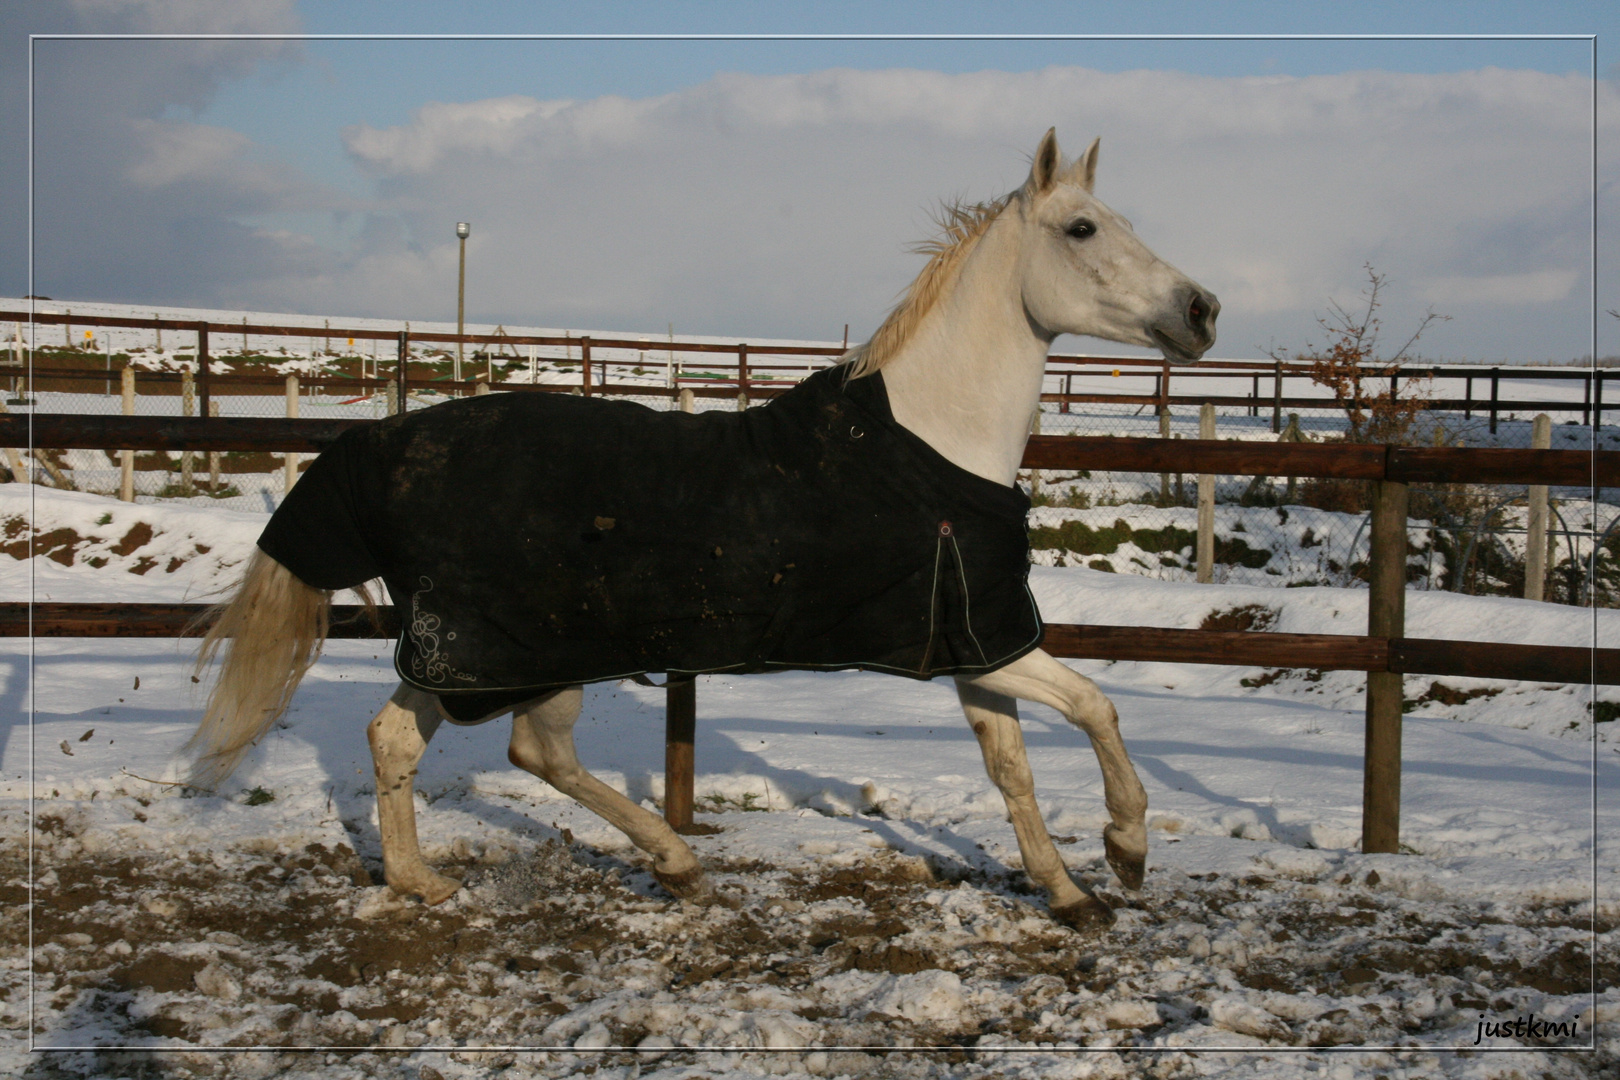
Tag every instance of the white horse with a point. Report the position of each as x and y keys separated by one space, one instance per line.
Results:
x=962 y=356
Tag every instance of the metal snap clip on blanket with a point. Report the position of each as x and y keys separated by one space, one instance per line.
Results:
x=855 y=431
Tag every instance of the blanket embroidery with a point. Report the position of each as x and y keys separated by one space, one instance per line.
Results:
x=430 y=664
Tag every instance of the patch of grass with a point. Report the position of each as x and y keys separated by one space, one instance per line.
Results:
x=1448 y=695
x=258 y=797
x=1265 y=678
x=718 y=803
x=1604 y=712
x=1070 y=498
x=1242 y=617
x=1083 y=539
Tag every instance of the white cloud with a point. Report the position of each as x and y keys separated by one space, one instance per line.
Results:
x=785 y=205
x=1536 y=287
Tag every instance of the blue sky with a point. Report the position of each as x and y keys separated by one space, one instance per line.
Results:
x=315 y=174
x=288 y=105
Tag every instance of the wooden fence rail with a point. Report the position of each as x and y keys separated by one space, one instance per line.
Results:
x=1404 y=464
x=744 y=358
x=1233 y=648
x=1384 y=653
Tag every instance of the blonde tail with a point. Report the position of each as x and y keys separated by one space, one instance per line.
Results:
x=275 y=626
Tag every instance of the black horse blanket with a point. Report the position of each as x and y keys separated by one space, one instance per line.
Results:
x=531 y=541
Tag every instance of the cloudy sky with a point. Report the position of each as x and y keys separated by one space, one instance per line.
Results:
x=773 y=188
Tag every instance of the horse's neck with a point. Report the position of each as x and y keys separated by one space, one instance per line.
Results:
x=969 y=380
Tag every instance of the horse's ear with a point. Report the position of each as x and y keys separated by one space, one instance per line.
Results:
x=1043 y=170
x=1084 y=171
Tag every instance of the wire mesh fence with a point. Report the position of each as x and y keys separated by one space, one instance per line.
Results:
x=1277 y=531
x=1294 y=532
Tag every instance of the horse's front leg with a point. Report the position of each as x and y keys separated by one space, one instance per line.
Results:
x=1038 y=677
x=543 y=743
x=994 y=719
x=398 y=736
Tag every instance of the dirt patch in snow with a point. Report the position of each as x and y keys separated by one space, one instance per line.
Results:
x=566 y=946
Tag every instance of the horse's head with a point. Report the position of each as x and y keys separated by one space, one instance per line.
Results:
x=1085 y=272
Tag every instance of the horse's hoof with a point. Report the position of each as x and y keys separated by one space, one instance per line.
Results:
x=433 y=889
x=1127 y=866
x=1086 y=914
x=690 y=884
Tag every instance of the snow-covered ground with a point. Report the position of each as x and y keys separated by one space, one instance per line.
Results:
x=877 y=902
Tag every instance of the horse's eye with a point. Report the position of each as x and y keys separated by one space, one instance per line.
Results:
x=1082 y=229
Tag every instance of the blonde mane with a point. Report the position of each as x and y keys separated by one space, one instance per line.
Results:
x=960 y=227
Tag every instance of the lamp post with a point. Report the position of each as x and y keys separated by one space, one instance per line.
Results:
x=462 y=229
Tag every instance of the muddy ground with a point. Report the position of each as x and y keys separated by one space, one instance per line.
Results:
x=566 y=946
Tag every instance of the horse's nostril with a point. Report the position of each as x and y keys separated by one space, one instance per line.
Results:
x=1201 y=311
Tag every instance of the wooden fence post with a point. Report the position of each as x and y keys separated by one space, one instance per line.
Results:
x=1206 y=502
x=202 y=366
x=680 y=736
x=1386 y=618
x=1276 y=398
x=213 y=455
x=1035 y=429
x=401 y=402
x=680 y=724
x=19 y=468
x=1496 y=378
x=585 y=365
x=290 y=458
x=1535 y=541
x=126 y=487
x=188 y=407
x=1164 y=477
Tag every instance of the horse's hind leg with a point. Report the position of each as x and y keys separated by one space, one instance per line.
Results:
x=543 y=743
x=994 y=719
x=1038 y=677
x=398 y=736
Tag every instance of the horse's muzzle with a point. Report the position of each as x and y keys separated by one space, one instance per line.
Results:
x=1190 y=333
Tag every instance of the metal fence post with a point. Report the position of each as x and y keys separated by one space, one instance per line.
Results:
x=1386 y=618
x=1206 y=502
